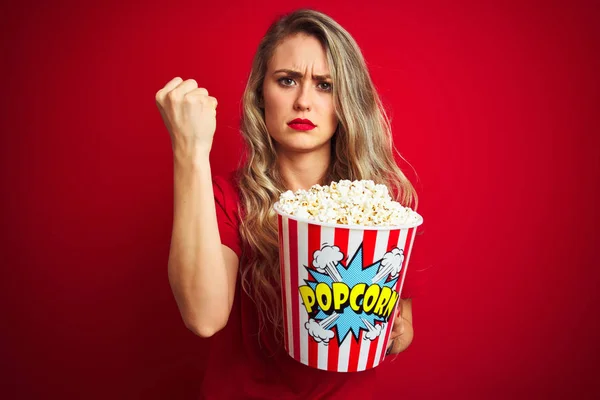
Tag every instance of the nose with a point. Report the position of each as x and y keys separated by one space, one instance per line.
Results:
x=303 y=101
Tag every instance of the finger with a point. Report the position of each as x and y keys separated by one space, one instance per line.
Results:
x=198 y=97
x=199 y=91
x=160 y=95
x=198 y=94
x=401 y=326
x=213 y=101
x=172 y=84
x=183 y=88
x=390 y=347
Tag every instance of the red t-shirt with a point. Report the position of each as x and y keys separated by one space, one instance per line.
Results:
x=239 y=366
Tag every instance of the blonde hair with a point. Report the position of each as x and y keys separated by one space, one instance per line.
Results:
x=362 y=148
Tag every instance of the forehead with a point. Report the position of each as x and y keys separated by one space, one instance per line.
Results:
x=300 y=52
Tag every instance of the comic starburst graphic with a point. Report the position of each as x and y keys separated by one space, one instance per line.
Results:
x=352 y=274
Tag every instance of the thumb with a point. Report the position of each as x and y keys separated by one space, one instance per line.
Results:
x=400 y=324
x=399 y=319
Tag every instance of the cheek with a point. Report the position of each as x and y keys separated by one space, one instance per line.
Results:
x=272 y=104
x=329 y=111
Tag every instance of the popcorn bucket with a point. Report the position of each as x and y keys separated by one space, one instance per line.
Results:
x=341 y=285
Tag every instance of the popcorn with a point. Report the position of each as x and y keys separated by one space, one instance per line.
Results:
x=363 y=203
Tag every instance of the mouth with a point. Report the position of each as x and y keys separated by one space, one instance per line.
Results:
x=300 y=124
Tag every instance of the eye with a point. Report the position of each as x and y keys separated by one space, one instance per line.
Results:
x=325 y=86
x=285 y=81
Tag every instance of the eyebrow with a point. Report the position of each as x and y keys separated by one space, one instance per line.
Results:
x=298 y=74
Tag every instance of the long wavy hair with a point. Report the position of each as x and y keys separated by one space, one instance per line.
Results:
x=362 y=148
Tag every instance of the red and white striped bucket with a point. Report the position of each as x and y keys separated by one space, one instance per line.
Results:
x=340 y=289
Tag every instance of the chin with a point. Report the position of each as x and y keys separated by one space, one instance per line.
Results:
x=299 y=146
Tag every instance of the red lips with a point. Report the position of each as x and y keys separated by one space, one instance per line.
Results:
x=300 y=124
x=301 y=121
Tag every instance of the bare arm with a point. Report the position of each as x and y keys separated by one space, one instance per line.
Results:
x=202 y=271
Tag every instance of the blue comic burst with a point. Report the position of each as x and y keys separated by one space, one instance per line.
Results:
x=352 y=274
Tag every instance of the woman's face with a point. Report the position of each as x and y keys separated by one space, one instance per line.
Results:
x=298 y=97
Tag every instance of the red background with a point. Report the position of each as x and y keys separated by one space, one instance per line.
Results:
x=494 y=104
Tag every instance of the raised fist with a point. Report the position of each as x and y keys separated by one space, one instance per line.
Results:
x=189 y=114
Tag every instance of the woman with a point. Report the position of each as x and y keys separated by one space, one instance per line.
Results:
x=311 y=115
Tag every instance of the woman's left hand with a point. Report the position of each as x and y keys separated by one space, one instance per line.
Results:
x=402 y=331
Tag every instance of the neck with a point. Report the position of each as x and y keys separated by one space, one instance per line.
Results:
x=303 y=170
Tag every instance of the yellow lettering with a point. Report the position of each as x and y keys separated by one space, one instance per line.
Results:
x=371 y=298
x=341 y=292
x=390 y=306
x=308 y=297
x=324 y=297
x=356 y=295
x=384 y=297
